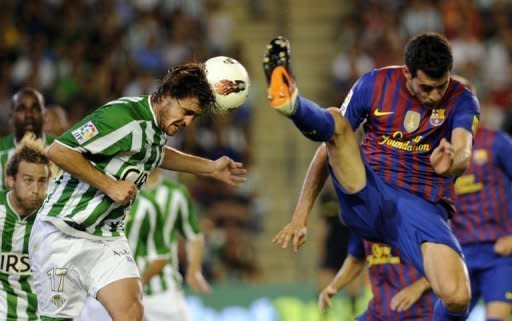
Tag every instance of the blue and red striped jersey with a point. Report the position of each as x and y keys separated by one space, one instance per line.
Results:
x=389 y=274
x=483 y=193
x=401 y=133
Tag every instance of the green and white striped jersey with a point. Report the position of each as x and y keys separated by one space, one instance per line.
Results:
x=121 y=139
x=7 y=149
x=179 y=217
x=17 y=297
x=144 y=231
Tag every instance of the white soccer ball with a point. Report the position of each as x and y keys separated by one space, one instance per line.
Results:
x=229 y=81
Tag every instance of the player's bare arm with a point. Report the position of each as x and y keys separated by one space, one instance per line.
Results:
x=224 y=168
x=452 y=159
x=316 y=175
x=74 y=163
x=153 y=268
x=194 y=276
x=350 y=269
x=404 y=299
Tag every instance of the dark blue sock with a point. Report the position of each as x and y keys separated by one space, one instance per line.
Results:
x=313 y=121
x=493 y=319
x=441 y=314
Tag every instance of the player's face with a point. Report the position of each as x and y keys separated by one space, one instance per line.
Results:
x=28 y=115
x=175 y=114
x=428 y=91
x=30 y=185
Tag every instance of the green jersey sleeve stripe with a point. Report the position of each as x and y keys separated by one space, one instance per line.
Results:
x=102 y=143
x=76 y=149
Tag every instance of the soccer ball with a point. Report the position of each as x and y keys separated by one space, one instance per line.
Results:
x=229 y=81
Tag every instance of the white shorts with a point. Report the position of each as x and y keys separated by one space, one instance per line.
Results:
x=67 y=269
x=166 y=306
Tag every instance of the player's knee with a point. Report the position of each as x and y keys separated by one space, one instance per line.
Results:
x=456 y=299
x=131 y=312
x=341 y=124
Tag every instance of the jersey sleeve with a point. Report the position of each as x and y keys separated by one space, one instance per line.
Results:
x=356 y=246
x=502 y=148
x=106 y=131
x=187 y=221
x=467 y=114
x=357 y=103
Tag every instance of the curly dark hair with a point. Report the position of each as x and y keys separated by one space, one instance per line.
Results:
x=429 y=52
x=186 y=81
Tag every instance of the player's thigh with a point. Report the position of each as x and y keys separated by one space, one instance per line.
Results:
x=345 y=156
x=446 y=271
x=122 y=299
x=496 y=285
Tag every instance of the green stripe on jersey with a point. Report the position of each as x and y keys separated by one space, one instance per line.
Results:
x=121 y=139
x=144 y=232
x=17 y=296
x=179 y=217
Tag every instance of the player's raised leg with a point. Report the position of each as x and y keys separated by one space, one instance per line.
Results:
x=449 y=279
x=316 y=123
x=123 y=299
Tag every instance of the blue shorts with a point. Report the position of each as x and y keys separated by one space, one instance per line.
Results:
x=383 y=213
x=489 y=272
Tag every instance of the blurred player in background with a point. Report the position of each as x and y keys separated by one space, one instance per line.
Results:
x=28 y=172
x=400 y=292
x=27 y=115
x=56 y=120
x=419 y=127
x=179 y=218
x=78 y=247
x=483 y=224
x=334 y=249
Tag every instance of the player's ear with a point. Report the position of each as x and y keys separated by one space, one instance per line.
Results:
x=407 y=73
x=10 y=180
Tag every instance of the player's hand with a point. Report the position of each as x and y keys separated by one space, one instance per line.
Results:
x=503 y=245
x=405 y=298
x=122 y=192
x=197 y=282
x=325 y=298
x=294 y=231
x=441 y=158
x=228 y=171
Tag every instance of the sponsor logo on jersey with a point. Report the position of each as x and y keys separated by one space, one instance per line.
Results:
x=412 y=121
x=480 y=156
x=135 y=175
x=410 y=145
x=437 y=117
x=14 y=263
x=381 y=255
x=379 y=113
x=85 y=132
x=466 y=184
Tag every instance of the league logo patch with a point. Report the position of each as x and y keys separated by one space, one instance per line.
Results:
x=85 y=132
x=412 y=121
x=480 y=156
x=437 y=117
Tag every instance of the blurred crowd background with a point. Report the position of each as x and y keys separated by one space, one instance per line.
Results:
x=83 y=53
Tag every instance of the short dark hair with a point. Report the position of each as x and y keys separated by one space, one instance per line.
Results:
x=186 y=81
x=27 y=91
x=31 y=150
x=429 y=52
